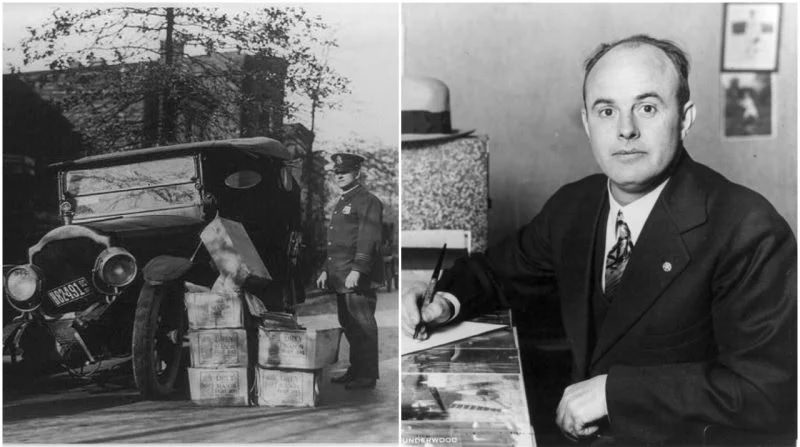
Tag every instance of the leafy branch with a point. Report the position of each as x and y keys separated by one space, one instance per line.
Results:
x=185 y=65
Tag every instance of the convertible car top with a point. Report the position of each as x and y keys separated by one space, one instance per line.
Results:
x=257 y=146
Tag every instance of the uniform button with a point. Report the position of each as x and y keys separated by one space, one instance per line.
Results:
x=331 y=227
x=329 y=259
x=329 y=243
x=667 y=267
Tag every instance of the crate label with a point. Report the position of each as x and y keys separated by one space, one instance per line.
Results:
x=220 y=347
x=212 y=310
x=225 y=344
x=305 y=349
x=289 y=343
x=219 y=383
x=278 y=387
x=286 y=348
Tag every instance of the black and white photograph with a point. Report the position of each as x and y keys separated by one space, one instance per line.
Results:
x=751 y=36
x=459 y=360
x=748 y=104
x=400 y=222
x=200 y=223
x=564 y=164
x=467 y=397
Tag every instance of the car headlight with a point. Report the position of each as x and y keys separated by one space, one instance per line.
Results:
x=116 y=267
x=22 y=284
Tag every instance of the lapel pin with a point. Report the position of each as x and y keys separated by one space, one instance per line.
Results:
x=667 y=267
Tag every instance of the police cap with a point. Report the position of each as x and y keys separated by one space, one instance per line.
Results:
x=345 y=162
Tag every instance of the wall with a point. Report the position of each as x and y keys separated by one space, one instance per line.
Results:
x=515 y=74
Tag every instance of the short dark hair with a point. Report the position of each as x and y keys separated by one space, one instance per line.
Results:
x=675 y=54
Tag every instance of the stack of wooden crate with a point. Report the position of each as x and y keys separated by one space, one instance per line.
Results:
x=218 y=349
x=286 y=359
x=290 y=364
x=218 y=318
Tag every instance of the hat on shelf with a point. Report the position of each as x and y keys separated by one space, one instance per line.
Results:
x=345 y=162
x=426 y=111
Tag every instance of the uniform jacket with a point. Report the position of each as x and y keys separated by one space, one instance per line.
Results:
x=702 y=329
x=354 y=240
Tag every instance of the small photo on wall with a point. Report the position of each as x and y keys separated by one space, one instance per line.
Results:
x=751 y=37
x=748 y=104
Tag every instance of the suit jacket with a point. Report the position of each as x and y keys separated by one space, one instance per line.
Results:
x=354 y=240
x=702 y=329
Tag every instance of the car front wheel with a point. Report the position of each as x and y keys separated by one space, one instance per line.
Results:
x=158 y=332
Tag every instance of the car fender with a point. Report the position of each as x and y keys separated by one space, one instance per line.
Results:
x=165 y=268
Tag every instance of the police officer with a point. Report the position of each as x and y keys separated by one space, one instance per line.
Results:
x=352 y=268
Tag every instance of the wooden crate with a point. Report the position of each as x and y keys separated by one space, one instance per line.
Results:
x=211 y=348
x=277 y=387
x=300 y=349
x=219 y=386
x=209 y=310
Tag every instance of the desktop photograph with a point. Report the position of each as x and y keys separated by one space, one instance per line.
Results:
x=598 y=224
x=200 y=223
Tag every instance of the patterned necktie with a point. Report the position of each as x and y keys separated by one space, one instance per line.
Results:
x=618 y=257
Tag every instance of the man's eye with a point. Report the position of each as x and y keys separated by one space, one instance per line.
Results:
x=606 y=113
x=648 y=109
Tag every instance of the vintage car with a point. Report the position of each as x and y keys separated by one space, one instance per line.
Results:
x=109 y=282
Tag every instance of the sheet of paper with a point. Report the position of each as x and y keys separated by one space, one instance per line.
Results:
x=447 y=334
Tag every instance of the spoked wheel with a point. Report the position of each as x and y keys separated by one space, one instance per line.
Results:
x=158 y=333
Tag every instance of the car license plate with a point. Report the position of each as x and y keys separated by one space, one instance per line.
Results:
x=70 y=292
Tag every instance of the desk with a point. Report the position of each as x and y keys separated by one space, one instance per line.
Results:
x=467 y=393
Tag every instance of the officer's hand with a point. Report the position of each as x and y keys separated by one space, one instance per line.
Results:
x=433 y=315
x=581 y=406
x=323 y=278
x=351 y=281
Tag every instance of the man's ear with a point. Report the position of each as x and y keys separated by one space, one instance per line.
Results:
x=689 y=114
x=585 y=120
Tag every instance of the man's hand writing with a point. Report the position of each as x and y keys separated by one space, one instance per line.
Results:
x=582 y=405
x=435 y=314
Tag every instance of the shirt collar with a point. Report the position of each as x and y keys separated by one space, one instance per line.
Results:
x=634 y=214
x=350 y=191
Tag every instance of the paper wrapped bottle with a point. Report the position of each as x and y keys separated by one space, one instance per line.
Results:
x=236 y=258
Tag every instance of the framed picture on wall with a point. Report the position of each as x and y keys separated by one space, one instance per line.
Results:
x=750 y=37
x=749 y=106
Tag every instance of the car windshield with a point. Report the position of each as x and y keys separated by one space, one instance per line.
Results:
x=147 y=186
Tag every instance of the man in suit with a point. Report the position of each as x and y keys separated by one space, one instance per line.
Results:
x=677 y=287
x=353 y=268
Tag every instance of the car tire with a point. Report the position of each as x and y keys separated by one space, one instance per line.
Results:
x=158 y=332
